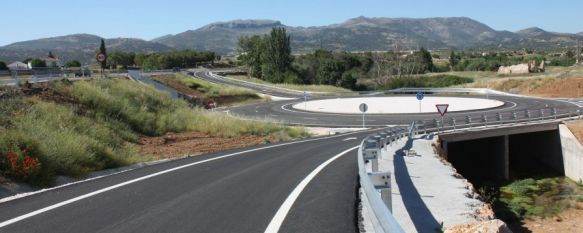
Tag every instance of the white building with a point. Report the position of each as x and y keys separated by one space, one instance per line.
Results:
x=18 y=66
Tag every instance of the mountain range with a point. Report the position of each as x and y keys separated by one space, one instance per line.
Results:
x=357 y=34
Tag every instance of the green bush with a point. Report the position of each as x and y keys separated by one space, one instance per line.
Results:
x=427 y=81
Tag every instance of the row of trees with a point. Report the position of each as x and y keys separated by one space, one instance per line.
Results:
x=269 y=58
x=166 y=60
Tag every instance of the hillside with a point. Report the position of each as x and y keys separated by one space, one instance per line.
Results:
x=77 y=46
x=357 y=34
x=366 y=34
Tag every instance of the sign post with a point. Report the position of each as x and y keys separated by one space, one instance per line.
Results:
x=101 y=58
x=306 y=94
x=442 y=109
x=363 y=108
x=420 y=97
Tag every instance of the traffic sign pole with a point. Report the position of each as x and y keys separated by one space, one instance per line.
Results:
x=363 y=108
x=420 y=97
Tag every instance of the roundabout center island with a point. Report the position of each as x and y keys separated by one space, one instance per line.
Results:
x=396 y=105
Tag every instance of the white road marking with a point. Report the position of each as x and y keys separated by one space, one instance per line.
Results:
x=348 y=139
x=85 y=196
x=279 y=217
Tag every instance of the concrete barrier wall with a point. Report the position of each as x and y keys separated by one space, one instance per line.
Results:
x=572 y=154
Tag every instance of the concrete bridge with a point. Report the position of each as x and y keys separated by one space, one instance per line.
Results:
x=503 y=152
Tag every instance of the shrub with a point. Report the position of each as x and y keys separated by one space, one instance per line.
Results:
x=18 y=160
x=427 y=81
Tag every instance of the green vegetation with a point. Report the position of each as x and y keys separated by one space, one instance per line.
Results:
x=62 y=142
x=73 y=63
x=38 y=63
x=3 y=66
x=269 y=56
x=102 y=50
x=44 y=139
x=427 y=81
x=169 y=60
x=212 y=90
x=530 y=197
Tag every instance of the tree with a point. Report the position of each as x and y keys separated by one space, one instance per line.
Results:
x=570 y=54
x=276 y=58
x=426 y=60
x=250 y=50
x=102 y=50
x=121 y=58
x=51 y=55
x=454 y=59
x=3 y=66
x=73 y=63
x=38 y=63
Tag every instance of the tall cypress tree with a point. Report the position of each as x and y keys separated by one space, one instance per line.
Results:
x=103 y=51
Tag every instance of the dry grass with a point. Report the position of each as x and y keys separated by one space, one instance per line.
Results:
x=576 y=128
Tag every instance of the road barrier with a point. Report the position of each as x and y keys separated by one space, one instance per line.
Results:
x=375 y=184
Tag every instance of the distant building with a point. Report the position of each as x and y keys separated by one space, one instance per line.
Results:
x=523 y=68
x=53 y=62
x=18 y=66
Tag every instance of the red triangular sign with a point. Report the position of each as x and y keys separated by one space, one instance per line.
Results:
x=442 y=108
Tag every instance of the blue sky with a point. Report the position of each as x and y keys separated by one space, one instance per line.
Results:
x=148 y=19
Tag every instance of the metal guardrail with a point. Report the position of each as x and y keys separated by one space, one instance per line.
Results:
x=376 y=185
x=496 y=120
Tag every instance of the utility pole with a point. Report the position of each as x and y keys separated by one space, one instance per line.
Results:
x=578 y=61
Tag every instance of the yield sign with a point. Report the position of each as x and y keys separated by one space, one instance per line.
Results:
x=442 y=108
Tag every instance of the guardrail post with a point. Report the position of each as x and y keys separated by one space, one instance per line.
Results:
x=527 y=114
x=499 y=117
x=579 y=113
x=554 y=112
x=373 y=156
x=469 y=121
x=453 y=123
x=514 y=117
x=485 y=119
x=382 y=182
x=542 y=114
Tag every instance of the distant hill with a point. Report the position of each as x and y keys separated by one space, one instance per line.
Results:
x=357 y=34
x=366 y=34
x=80 y=47
x=220 y=37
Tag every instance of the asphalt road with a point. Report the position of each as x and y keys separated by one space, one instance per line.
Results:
x=238 y=193
x=256 y=87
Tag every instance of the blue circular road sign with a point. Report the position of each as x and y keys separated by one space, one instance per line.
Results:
x=420 y=95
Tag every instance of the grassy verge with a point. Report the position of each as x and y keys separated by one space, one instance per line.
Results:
x=40 y=139
x=297 y=87
x=212 y=90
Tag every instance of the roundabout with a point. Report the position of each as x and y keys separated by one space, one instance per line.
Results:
x=396 y=105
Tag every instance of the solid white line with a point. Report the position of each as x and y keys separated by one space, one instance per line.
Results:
x=60 y=204
x=278 y=218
